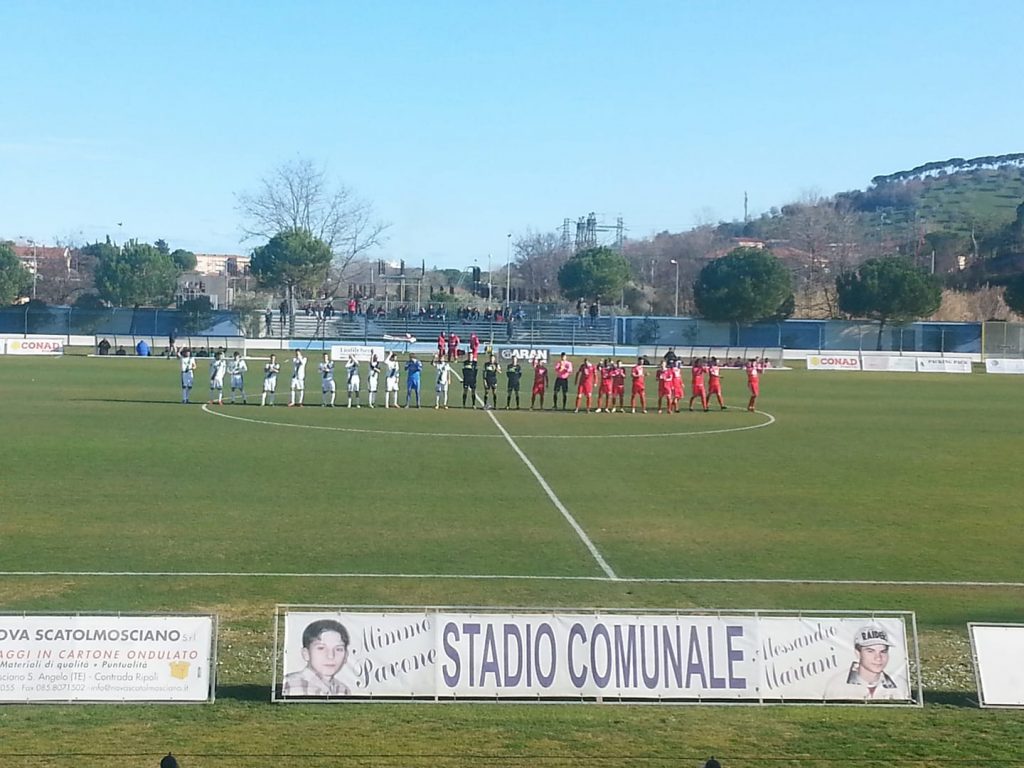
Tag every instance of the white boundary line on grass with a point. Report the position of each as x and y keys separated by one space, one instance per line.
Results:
x=514 y=577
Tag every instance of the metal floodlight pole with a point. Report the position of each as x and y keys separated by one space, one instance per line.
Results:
x=676 y=262
x=508 y=269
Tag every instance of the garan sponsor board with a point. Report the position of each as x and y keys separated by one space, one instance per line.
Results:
x=361 y=353
x=833 y=363
x=1004 y=365
x=999 y=663
x=888 y=363
x=525 y=353
x=106 y=658
x=35 y=346
x=342 y=655
x=944 y=365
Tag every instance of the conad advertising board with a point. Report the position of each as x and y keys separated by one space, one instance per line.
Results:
x=888 y=363
x=1004 y=365
x=106 y=658
x=360 y=352
x=343 y=655
x=833 y=363
x=998 y=651
x=944 y=365
x=35 y=346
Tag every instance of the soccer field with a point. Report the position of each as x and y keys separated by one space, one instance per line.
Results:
x=845 y=491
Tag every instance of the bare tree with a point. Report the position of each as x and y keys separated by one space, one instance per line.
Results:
x=538 y=257
x=299 y=195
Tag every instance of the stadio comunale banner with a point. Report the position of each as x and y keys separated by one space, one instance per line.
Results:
x=353 y=653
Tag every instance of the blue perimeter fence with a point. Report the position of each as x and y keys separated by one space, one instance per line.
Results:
x=993 y=339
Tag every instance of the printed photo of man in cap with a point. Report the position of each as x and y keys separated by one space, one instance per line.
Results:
x=866 y=679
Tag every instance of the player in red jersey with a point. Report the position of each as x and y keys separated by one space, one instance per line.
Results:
x=563 y=370
x=442 y=346
x=605 y=371
x=618 y=387
x=666 y=387
x=474 y=345
x=697 y=382
x=715 y=382
x=637 y=374
x=678 y=390
x=540 y=382
x=585 y=383
x=453 y=347
x=754 y=368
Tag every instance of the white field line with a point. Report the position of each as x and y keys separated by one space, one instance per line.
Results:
x=339 y=429
x=547 y=489
x=512 y=577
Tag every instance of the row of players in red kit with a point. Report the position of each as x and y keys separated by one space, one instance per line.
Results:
x=448 y=346
x=612 y=384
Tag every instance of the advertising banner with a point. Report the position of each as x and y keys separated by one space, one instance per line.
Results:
x=361 y=353
x=525 y=354
x=833 y=363
x=943 y=365
x=339 y=655
x=1004 y=365
x=888 y=363
x=35 y=346
x=106 y=658
x=999 y=663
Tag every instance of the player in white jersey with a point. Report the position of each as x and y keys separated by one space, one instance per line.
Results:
x=352 y=369
x=298 y=380
x=371 y=379
x=444 y=378
x=391 y=383
x=188 y=367
x=218 y=367
x=328 y=387
x=270 y=371
x=237 y=369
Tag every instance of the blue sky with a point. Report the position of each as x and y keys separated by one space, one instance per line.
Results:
x=464 y=121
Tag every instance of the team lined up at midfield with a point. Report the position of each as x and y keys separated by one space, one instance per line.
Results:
x=608 y=376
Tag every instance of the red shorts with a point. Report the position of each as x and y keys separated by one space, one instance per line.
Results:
x=539 y=388
x=698 y=392
x=663 y=391
x=677 y=389
x=606 y=388
x=585 y=388
x=638 y=389
x=715 y=388
x=755 y=387
x=618 y=389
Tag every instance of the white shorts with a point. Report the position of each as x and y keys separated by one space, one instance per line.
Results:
x=441 y=387
x=371 y=383
x=217 y=383
x=236 y=382
x=270 y=384
x=298 y=384
x=353 y=384
x=392 y=384
x=329 y=385
x=186 y=380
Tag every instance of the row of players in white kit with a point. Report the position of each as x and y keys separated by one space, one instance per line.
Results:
x=236 y=368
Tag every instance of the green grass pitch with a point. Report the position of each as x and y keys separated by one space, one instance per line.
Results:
x=864 y=477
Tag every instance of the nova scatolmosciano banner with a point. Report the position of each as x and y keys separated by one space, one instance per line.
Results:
x=106 y=658
x=338 y=654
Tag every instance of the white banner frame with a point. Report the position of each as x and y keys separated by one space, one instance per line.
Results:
x=831 y=362
x=1004 y=365
x=8 y=344
x=211 y=688
x=977 y=665
x=910 y=642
